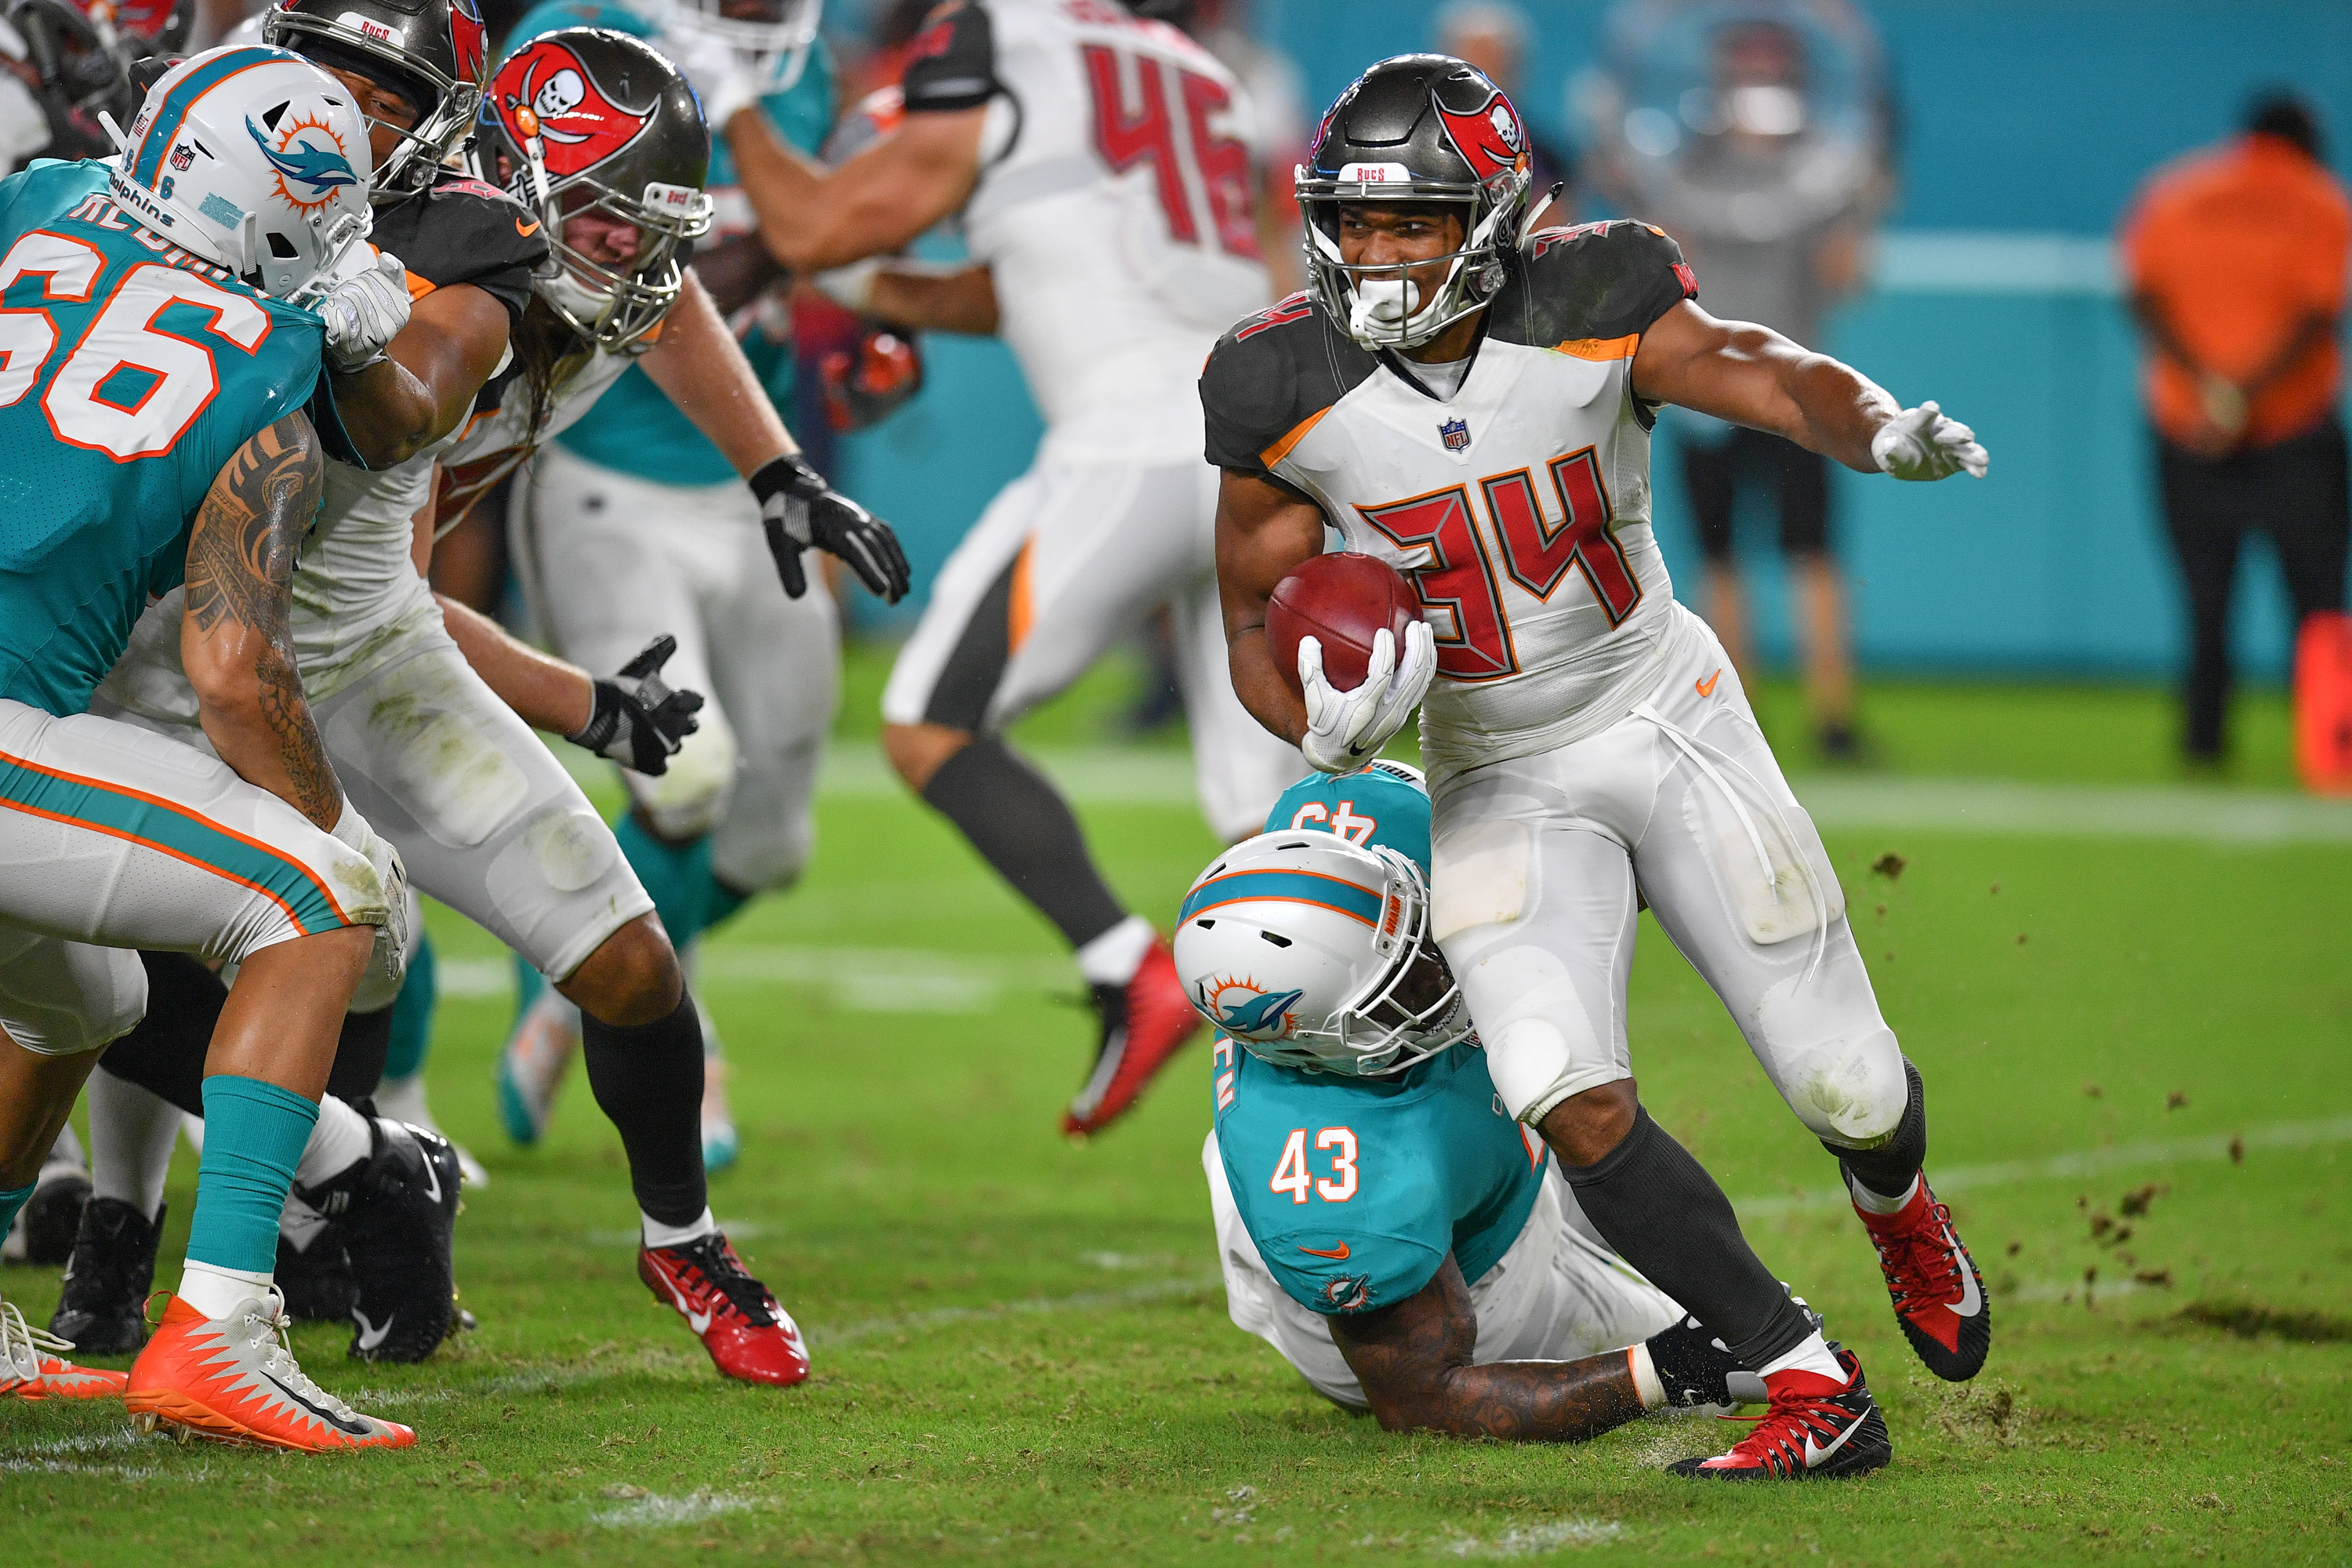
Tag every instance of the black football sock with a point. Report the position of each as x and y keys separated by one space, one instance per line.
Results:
x=648 y=1079
x=360 y=1056
x=1889 y=1169
x=166 y=1054
x=1022 y=826
x=1662 y=1213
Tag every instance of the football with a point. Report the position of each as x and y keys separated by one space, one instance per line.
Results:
x=1342 y=600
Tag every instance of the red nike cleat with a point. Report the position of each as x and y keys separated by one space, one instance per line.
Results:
x=234 y=1380
x=1143 y=1024
x=1939 y=1298
x=749 y=1336
x=1812 y=1429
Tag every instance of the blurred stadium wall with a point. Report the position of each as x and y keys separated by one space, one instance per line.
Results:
x=2027 y=125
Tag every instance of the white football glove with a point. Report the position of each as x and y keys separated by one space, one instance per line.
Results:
x=364 y=311
x=1921 y=444
x=1345 y=729
x=380 y=984
x=715 y=71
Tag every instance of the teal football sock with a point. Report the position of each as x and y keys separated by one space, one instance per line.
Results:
x=9 y=1203
x=253 y=1133
x=687 y=895
x=412 y=1015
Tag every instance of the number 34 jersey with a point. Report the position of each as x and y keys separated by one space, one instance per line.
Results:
x=1519 y=507
x=133 y=373
x=1114 y=210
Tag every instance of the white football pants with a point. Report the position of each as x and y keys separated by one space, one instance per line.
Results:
x=1559 y=1293
x=1538 y=861
x=611 y=562
x=1067 y=560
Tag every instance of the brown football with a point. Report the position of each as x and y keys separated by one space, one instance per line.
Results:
x=1341 y=600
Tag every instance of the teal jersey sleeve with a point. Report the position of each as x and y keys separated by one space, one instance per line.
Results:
x=1371 y=806
x=161 y=366
x=1356 y=1189
x=635 y=428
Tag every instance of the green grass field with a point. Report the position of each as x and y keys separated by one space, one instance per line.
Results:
x=2124 y=989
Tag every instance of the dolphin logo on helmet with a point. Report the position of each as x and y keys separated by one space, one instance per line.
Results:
x=323 y=169
x=1260 y=1016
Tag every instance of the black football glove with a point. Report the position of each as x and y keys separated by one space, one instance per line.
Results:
x=640 y=722
x=798 y=510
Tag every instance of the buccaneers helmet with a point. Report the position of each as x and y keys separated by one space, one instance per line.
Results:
x=431 y=52
x=1415 y=128
x=1312 y=952
x=586 y=119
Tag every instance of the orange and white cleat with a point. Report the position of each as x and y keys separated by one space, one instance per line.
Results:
x=234 y=1380
x=32 y=1367
x=1144 y=1022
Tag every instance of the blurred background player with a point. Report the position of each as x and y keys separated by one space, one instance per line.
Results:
x=1108 y=265
x=731 y=817
x=1773 y=198
x=2237 y=258
x=1359 y=1094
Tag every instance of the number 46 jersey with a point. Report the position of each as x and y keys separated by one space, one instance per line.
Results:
x=132 y=373
x=1114 y=210
x=1518 y=506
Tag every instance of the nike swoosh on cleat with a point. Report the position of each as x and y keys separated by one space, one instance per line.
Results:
x=370 y=1335
x=1339 y=1252
x=432 y=1176
x=699 y=1321
x=354 y=1428
x=1813 y=1457
x=1971 y=1301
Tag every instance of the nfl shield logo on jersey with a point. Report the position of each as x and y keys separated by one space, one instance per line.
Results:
x=1457 y=435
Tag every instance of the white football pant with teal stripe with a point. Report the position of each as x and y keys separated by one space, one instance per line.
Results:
x=113 y=840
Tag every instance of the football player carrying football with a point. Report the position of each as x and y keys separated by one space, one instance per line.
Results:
x=1381 y=1220
x=1469 y=397
x=1091 y=150
x=154 y=437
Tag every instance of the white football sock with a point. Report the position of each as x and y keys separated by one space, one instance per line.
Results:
x=1112 y=958
x=131 y=1133
x=339 y=1140
x=215 y=1292
x=1813 y=1356
x=1874 y=1203
x=659 y=1235
x=1646 y=1382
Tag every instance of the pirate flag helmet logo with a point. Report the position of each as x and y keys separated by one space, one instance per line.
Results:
x=1489 y=137
x=579 y=124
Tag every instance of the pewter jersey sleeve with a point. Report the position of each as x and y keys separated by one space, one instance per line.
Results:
x=1519 y=507
x=1114 y=210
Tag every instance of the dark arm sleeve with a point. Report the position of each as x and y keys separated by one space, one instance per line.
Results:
x=951 y=64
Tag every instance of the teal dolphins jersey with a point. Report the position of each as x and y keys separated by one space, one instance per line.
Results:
x=1355 y=1188
x=635 y=428
x=133 y=373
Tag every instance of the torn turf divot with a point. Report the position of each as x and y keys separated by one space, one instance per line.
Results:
x=652 y=1512
x=1535 y=1539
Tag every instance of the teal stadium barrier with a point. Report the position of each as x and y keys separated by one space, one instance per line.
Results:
x=2027 y=124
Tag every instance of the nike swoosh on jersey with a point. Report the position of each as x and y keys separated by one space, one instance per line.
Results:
x=526 y=230
x=355 y=1428
x=1706 y=688
x=1813 y=1457
x=1339 y=1253
x=370 y=1335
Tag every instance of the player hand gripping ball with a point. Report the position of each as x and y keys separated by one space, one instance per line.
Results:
x=639 y=722
x=1345 y=729
x=799 y=509
x=1921 y=444
x=365 y=312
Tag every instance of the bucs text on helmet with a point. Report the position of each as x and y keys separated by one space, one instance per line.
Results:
x=255 y=159
x=1312 y=952
x=1415 y=128
x=587 y=119
x=431 y=52
x=770 y=37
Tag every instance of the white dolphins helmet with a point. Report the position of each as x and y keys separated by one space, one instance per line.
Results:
x=255 y=159
x=1314 y=953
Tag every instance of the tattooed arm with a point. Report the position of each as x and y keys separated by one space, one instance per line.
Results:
x=1413 y=1360
x=235 y=639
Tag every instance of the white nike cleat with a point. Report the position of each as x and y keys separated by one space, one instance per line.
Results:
x=235 y=1380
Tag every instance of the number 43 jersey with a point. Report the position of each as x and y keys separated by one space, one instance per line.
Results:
x=1518 y=506
x=133 y=373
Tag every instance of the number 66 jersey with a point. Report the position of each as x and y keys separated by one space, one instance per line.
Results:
x=1518 y=506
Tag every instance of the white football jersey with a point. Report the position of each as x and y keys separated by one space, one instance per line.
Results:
x=1518 y=506
x=1115 y=210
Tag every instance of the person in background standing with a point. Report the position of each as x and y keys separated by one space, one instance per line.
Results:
x=2237 y=258
x=1492 y=37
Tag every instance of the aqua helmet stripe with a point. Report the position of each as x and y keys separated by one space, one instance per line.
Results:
x=173 y=110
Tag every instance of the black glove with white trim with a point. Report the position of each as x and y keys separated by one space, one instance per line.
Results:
x=639 y=722
x=798 y=510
